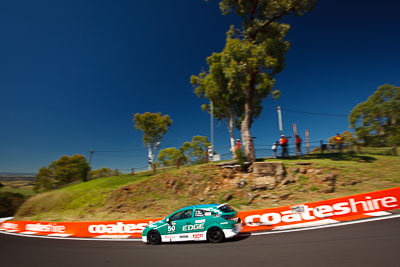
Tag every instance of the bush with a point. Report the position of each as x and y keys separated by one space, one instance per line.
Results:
x=61 y=172
x=9 y=203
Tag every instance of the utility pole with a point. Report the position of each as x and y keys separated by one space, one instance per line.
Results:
x=308 y=141
x=278 y=109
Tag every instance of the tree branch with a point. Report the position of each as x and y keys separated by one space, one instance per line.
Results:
x=278 y=16
x=253 y=11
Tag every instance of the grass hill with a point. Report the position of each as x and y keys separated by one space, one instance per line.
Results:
x=309 y=178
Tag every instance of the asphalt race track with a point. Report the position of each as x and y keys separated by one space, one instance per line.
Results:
x=374 y=243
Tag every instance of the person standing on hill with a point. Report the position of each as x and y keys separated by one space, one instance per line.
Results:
x=339 y=142
x=298 y=144
x=275 y=148
x=284 y=144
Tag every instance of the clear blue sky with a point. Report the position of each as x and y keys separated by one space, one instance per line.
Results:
x=73 y=73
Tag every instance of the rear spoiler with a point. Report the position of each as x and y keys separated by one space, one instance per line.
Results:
x=222 y=205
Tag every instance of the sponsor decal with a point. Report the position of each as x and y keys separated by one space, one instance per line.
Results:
x=193 y=227
x=197 y=236
x=297 y=209
x=200 y=221
x=183 y=236
x=306 y=213
x=10 y=226
x=117 y=228
x=48 y=227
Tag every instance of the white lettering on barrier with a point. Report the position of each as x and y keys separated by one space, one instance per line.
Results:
x=10 y=226
x=117 y=228
x=50 y=227
x=323 y=211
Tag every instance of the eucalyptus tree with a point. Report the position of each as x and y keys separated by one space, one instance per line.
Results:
x=153 y=126
x=254 y=54
x=377 y=120
x=215 y=86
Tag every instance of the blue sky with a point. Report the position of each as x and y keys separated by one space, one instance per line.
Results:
x=73 y=74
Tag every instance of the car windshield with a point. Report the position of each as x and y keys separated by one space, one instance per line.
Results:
x=226 y=208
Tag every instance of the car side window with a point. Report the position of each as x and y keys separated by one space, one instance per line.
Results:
x=203 y=213
x=181 y=215
x=199 y=213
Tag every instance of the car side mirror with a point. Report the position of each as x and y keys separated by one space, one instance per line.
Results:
x=167 y=220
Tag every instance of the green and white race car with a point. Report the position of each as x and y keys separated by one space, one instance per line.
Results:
x=212 y=222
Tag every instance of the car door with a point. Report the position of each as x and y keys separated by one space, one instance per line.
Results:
x=181 y=223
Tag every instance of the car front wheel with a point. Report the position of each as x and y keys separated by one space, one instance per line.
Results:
x=154 y=237
x=215 y=235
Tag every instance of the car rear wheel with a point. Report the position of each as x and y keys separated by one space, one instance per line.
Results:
x=215 y=235
x=154 y=237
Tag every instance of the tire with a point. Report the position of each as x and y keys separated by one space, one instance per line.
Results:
x=215 y=235
x=154 y=238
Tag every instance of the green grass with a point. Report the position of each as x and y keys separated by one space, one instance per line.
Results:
x=150 y=196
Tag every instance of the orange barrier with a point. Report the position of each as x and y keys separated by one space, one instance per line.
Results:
x=327 y=211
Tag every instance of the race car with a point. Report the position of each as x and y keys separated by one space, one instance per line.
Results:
x=212 y=222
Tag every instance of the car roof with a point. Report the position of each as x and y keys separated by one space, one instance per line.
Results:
x=202 y=206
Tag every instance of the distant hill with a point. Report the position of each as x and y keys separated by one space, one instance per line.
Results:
x=9 y=176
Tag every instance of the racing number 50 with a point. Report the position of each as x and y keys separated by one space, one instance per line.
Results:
x=171 y=228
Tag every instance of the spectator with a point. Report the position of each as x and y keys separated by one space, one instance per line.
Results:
x=298 y=144
x=237 y=147
x=275 y=148
x=284 y=144
x=339 y=142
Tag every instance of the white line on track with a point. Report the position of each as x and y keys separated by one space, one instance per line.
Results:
x=253 y=234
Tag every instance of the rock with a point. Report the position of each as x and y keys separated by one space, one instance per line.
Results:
x=207 y=189
x=258 y=187
x=328 y=177
x=228 y=197
x=303 y=170
x=294 y=169
x=303 y=163
x=242 y=183
x=202 y=199
x=252 y=197
x=265 y=196
x=310 y=171
x=269 y=181
x=232 y=162
x=318 y=172
x=144 y=206
x=328 y=190
x=261 y=169
x=285 y=196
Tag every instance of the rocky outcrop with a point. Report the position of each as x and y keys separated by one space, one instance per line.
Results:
x=268 y=174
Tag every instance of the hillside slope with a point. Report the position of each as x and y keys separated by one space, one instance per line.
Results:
x=148 y=196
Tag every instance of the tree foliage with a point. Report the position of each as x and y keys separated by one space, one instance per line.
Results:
x=376 y=121
x=253 y=55
x=9 y=203
x=196 y=150
x=63 y=171
x=172 y=157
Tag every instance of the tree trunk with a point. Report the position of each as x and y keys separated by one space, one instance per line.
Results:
x=248 y=145
x=150 y=156
x=231 y=128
